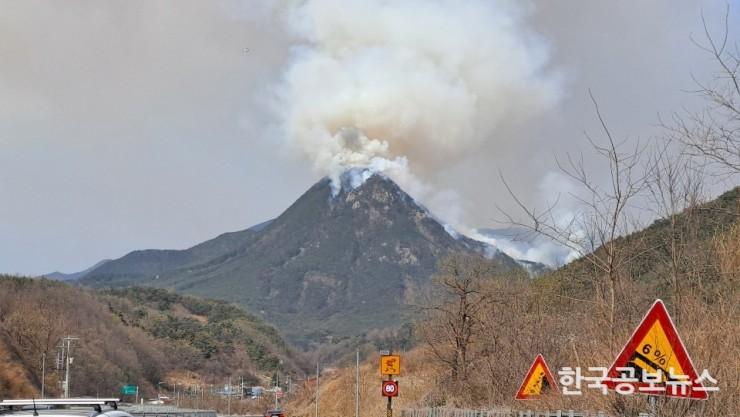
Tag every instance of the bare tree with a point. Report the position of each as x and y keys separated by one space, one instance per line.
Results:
x=714 y=131
x=604 y=213
x=453 y=322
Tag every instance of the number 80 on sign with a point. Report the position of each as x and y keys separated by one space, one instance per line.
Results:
x=390 y=389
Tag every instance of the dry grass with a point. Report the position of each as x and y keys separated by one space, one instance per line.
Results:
x=337 y=391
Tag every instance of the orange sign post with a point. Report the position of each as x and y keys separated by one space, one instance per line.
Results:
x=390 y=365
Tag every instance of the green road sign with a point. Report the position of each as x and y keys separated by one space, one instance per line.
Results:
x=128 y=390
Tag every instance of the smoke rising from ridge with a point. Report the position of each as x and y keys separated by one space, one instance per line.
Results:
x=162 y=98
x=409 y=85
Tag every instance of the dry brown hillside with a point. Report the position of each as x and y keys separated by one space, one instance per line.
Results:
x=131 y=336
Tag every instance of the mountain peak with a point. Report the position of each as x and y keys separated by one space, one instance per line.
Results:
x=341 y=260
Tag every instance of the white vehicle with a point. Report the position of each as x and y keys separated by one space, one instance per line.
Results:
x=62 y=407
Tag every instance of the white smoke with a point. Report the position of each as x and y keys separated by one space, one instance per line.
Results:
x=396 y=85
x=528 y=246
x=409 y=87
x=524 y=244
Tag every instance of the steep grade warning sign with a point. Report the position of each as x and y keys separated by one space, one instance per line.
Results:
x=538 y=381
x=654 y=361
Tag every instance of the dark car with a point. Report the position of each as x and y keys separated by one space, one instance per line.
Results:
x=275 y=413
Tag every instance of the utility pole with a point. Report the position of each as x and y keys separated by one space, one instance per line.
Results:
x=317 y=388
x=277 y=385
x=229 y=400
x=357 y=385
x=67 y=347
x=43 y=374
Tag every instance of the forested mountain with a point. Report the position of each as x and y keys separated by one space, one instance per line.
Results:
x=332 y=265
x=135 y=336
x=669 y=254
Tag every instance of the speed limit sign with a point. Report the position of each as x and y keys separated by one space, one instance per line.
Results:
x=390 y=388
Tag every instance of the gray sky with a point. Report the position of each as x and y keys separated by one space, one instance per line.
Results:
x=135 y=124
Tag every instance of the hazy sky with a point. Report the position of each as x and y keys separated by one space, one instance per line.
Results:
x=142 y=124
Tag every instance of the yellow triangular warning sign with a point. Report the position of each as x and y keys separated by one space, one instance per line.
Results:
x=655 y=360
x=538 y=381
